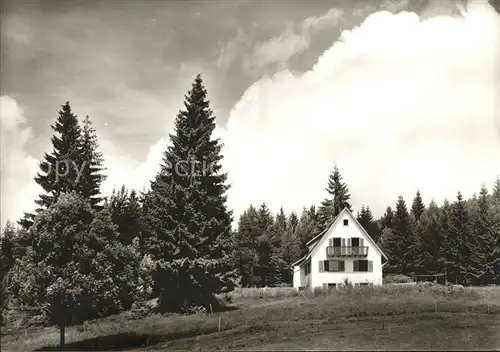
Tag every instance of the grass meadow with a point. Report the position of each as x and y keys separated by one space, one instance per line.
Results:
x=389 y=317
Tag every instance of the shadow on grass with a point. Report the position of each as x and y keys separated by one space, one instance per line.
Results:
x=128 y=340
x=125 y=341
x=109 y=343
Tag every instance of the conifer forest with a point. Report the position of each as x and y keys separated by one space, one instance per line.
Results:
x=83 y=254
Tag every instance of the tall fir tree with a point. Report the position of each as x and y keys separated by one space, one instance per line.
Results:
x=338 y=199
x=431 y=241
x=60 y=169
x=244 y=248
x=186 y=219
x=365 y=218
x=8 y=243
x=486 y=245
x=401 y=244
x=293 y=221
x=265 y=218
x=496 y=189
x=388 y=218
x=279 y=239
x=458 y=250
x=125 y=210
x=306 y=230
x=264 y=247
x=279 y=229
x=417 y=206
x=92 y=169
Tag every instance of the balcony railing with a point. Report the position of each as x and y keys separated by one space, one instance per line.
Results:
x=346 y=251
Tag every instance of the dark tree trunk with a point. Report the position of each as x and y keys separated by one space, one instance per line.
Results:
x=62 y=335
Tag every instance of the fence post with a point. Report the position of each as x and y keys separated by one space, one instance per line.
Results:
x=436 y=306
x=219 y=322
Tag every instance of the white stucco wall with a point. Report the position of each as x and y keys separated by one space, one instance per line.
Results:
x=352 y=230
x=298 y=276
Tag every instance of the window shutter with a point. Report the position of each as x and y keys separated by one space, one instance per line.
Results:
x=356 y=265
x=348 y=267
x=341 y=265
x=331 y=242
x=370 y=265
x=343 y=242
x=321 y=266
x=361 y=242
x=348 y=242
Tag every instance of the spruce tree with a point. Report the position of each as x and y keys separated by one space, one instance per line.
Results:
x=486 y=244
x=402 y=242
x=365 y=218
x=388 y=219
x=279 y=229
x=417 y=206
x=306 y=230
x=8 y=243
x=92 y=167
x=125 y=210
x=293 y=221
x=244 y=248
x=290 y=247
x=186 y=220
x=280 y=244
x=265 y=218
x=496 y=189
x=459 y=250
x=264 y=246
x=60 y=169
x=339 y=198
x=431 y=241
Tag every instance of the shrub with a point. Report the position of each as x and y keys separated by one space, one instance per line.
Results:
x=397 y=279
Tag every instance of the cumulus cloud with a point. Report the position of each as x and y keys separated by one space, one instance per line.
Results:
x=17 y=167
x=293 y=41
x=121 y=169
x=399 y=103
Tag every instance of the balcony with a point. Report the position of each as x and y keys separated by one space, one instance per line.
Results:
x=346 y=251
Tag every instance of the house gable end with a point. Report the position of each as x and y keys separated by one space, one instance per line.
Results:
x=333 y=226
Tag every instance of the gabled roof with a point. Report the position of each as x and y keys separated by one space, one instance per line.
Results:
x=298 y=262
x=332 y=224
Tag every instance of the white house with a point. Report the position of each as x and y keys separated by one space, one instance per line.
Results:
x=343 y=251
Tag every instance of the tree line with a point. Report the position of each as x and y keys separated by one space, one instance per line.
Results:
x=81 y=255
x=458 y=241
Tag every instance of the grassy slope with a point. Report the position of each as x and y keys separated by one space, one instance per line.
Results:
x=396 y=318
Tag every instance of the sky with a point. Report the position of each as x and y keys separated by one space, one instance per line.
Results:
x=401 y=95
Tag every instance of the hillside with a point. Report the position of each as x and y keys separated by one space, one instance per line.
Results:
x=389 y=317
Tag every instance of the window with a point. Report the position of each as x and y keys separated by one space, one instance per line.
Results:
x=361 y=265
x=363 y=283
x=346 y=222
x=332 y=285
x=355 y=242
x=334 y=266
x=307 y=268
x=336 y=242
